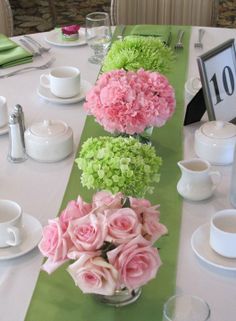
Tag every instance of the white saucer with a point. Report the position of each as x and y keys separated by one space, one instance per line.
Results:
x=54 y=37
x=32 y=234
x=201 y=247
x=46 y=94
x=4 y=129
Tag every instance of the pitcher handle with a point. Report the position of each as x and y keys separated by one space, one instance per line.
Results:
x=216 y=178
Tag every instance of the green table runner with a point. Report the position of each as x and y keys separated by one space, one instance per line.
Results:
x=56 y=298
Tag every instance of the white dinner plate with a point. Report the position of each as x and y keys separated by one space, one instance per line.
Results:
x=32 y=234
x=54 y=37
x=4 y=129
x=46 y=94
x=201 y=247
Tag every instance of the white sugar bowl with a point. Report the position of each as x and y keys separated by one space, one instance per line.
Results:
x=49 y=141
x=215 y=141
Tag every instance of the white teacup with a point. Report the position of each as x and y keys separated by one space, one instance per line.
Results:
x=3 y=111
x=223 y=233
x=191 y=88
x=63 y=82
x=10 y=223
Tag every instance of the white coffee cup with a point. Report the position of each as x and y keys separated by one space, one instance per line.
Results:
x=10 y=223
x=191 y=87
x=223 y=233
x=3 y=111
x=63 y=82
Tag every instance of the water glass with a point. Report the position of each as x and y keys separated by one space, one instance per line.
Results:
x=186 y=308
x=98 y=35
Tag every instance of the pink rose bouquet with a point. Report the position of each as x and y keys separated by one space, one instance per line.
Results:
x=111 y=242
x=129 y=102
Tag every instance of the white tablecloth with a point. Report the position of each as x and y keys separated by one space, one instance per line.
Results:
x=39 y=188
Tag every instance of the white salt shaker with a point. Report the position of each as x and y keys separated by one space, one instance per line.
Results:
x=16 y=146
x=18 y=111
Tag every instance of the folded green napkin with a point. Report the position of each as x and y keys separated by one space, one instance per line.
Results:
x=163 y=32
x=11 y=54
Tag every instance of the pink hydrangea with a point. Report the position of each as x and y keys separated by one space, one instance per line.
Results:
x=128 y=102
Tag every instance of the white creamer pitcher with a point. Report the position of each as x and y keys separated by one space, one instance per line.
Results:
x=197 y=181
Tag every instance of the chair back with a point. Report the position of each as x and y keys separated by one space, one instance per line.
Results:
x=6 y=18
x=182 y=12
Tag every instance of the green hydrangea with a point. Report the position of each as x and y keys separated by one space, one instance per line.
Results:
x=119 y=164
x=135 y=52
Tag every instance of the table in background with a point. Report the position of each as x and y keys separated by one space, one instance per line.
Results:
x=39 y=188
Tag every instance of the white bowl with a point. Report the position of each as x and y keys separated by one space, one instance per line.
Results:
x=49 y=141
x=215 y=141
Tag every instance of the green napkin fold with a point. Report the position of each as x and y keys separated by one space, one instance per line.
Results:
x=11 y=54
x=163 y=32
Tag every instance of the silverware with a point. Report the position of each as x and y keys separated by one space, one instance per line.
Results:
x=168 y=42
x=34 y=52
x=44 y=66
x=199 y=44
x=122 y=32
x=179 y=43
x=37 y=44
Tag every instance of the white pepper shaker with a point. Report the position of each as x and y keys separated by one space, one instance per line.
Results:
x=16 y=145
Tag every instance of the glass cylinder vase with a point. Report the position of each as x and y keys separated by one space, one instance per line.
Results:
x=120 y=298
x=144 y=137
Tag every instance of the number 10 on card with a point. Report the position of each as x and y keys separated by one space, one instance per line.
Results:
x=217 y=69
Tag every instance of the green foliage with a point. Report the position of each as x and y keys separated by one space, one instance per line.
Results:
x=136 y=52
x=119 y=164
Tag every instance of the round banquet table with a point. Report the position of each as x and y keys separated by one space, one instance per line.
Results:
x=39 y=187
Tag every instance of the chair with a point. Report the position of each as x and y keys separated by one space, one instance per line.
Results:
x=134 y=11
x=6 y=18
x=187 y=12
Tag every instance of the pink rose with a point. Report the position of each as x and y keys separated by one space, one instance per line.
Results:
x=94 y=275
x=88 y=232
x=137 y=262
x=73 y=210
x=104 y=200
x=123 y=225
x=140 y=205
x=152 y=229
x=139 y=202
x=54 y=244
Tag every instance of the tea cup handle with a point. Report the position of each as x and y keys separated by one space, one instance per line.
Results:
x=15 y=235
x=44 y=81
x=216 y=178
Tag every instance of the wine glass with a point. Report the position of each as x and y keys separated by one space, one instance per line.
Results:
x=98 y=35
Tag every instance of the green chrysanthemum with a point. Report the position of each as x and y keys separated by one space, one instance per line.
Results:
x=136 y=52
x=119 y=164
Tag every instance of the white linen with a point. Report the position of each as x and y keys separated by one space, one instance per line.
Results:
x=39 y=188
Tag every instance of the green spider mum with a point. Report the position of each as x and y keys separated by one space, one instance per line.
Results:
x=136 y=52
x=119 y=164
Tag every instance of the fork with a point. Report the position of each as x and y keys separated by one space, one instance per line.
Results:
x=37 y=44
x=34 y=52
x=199 y=44
x=179 y=43
x=44 y=66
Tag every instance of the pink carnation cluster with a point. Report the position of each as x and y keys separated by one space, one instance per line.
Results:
x=128 y=102
x=110 y=241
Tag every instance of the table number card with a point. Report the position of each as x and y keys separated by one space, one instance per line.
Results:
x=217 y=69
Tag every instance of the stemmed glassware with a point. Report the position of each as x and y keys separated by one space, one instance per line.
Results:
x=98 y=35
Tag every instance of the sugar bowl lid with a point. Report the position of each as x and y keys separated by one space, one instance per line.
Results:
x=218 y=130
x=49 y=129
